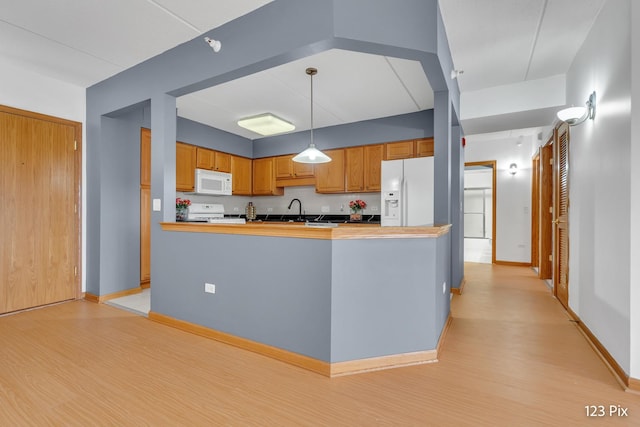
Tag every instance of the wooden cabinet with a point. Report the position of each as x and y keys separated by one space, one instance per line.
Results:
x=264 y=178
x=354 y=169
x=399 y=150
x=213 y=160
x=286 y=168
x=145 y=237
x=185 y=166
x=290 y=173
x=362 y=168
x=145 y=207
x=424 y=147
x=373 y=156
x=241 y=172
x=330 y=176
x=145 y=157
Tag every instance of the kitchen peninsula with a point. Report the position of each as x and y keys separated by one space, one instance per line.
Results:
x=335 y=300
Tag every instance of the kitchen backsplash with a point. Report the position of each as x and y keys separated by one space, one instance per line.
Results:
x=312 y=202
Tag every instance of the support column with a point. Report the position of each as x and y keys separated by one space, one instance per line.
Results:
x=442 y=155
x=163 y=156
x=457 y=194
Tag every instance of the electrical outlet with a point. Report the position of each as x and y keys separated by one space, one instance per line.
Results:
x=269 y=209
x=374 y=209
x=236 y=209
x=325 y=209
x=210 y=288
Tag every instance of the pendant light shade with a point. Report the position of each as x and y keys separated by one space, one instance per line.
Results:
x=312 y=154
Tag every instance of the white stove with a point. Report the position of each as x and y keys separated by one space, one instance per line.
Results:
x=210 y=212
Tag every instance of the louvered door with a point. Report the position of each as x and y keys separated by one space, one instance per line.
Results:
x=561 y=216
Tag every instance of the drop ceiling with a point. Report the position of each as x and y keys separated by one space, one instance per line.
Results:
x=495 y=42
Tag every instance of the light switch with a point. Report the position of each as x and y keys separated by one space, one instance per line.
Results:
x=157 y=205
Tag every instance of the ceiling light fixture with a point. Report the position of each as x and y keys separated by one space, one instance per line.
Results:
x=576 y=115
x=215 y=44
x=266 y=124
x=312 y=154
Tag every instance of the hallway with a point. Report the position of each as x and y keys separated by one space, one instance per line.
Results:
x=510 y=357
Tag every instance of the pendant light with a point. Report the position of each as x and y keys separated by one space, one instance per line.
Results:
x=312 y=154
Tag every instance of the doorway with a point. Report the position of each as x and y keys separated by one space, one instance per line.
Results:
x=479 y=212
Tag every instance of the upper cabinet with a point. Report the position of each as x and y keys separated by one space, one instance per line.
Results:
x=290 y=173
x=399 y=150
x=373 y=155
x=362 y=168
x=213 y=160
x=242 y=173
x=330 y=176
x=264 y=178
x=354 y=169
x=424 y=147
x=185 y=166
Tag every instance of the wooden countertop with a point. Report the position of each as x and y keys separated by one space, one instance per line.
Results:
x=299 y=230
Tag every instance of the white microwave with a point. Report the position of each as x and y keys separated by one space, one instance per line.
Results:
x=213 y=183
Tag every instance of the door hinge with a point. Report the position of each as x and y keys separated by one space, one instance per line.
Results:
x=75 y=145
x=75 y=208
x=550 y=257
x=75 y=271
x=550 y=209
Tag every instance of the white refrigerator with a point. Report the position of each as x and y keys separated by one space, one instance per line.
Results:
x=407 y=189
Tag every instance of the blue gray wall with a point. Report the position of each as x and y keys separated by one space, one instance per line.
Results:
x=289 y=30
x=395 y=128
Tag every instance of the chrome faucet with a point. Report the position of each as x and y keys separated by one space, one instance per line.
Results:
x=299 y=208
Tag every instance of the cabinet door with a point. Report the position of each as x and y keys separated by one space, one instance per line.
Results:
x=145 y=235
x=241 y=175
x=302 y=170
x=424 y=147
x=185 y=166
x=354 y=169
x=222 y=162
x=264 y=178
x=204 y=158
x=330 y=176
x=373 y=155
x=284 y=167
x=145 y=157
x=399 y=150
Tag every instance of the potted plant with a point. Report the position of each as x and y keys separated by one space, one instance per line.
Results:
x=181 y=208
x=356 y=206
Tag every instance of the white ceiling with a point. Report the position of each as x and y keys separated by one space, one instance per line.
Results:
x=495 y=42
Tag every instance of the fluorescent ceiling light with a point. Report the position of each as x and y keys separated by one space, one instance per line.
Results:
x=266 y=124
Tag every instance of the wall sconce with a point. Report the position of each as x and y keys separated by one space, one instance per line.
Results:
x=215 y=44
x=513 y=169
x=576 y=115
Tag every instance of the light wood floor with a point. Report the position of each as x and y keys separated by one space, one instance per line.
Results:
x=511 y=357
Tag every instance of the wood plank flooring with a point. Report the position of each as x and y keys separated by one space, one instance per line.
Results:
x=512 y=357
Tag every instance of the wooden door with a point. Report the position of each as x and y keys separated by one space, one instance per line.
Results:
x=205 y=158
x=373 y=155
x=145 y=208
x=424 y=147
x=535 y=210
x=39 y=194
x=330 y=176
x=185 y=166
x=399 y=150
x=561 y=215
x=241 y=172
x=545 y=248
x=222 y=162
x=354 y=169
